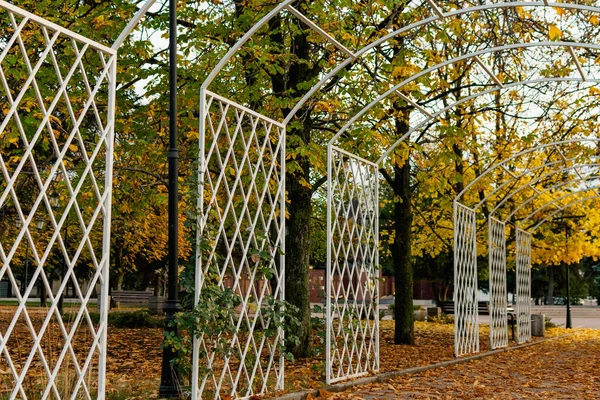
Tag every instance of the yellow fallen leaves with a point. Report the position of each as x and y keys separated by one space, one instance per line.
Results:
x=563 y=368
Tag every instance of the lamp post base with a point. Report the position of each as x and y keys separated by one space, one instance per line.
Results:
x=170 y=382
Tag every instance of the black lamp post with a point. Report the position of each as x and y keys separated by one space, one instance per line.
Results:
x=169 y=381
x=569 y=323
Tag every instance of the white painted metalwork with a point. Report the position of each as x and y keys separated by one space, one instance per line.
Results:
x=554 y=202
x=531 y=182
x=241 y=239
x=353 y=272
x=523 y=285
x=497 y=279
x=488 y=71
x=439 y=14
x=58 y=91
x=515 y=156
x=577 y=63
x=320 y=31
x=566 y=206
x=466 y=318
x=421 y=25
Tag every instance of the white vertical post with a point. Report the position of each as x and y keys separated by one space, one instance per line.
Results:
x=328 y=270
x=282 y=233
x=378 y=266
x=198 y=281
x=104 y=297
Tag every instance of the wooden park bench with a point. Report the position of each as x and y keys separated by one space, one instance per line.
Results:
x=483 y=308
x=131 y=297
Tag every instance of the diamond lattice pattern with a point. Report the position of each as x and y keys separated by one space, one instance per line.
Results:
x=523 y=254
x=498 y=295
x=353 y=271
x=238 y=353
x=466 y=324
x=56 y=140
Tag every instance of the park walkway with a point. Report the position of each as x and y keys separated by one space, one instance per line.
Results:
x=565 y=368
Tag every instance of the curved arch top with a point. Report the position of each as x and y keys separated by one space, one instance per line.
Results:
x=520 y=154
x=436 y=15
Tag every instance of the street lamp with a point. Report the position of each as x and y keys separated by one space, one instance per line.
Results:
x=169 y=380
x=569 y=323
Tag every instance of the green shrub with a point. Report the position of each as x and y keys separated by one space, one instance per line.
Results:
x=445 y=319
x=124 y=319
x=549 y=324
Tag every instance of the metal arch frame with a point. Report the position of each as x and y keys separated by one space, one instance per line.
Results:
x=519 y=154
x=554 y=187
x=536 y=180
x=555 y=200
x=463 y=57
x=439 y=14
x=574 y=202
x=497 y=248
x=108 y=57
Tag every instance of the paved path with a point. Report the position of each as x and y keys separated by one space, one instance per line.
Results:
x=566 y=368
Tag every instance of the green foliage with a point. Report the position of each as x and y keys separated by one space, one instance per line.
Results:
x=318 y=327
x=549 y=324
x=445 y=319
x=124 y=319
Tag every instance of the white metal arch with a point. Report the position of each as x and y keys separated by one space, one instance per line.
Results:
x=209 y=99
x=463 y=57
x=551 y=215
x=554 y=187
x=539 y=178
x=438 y=16
x=555 y=200
x=518 y=155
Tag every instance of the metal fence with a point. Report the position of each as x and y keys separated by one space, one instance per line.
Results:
x=466 y=323
x=497 y=279
x=58 y=97
x=352 y=250
x=238 y=351
x=523 y=288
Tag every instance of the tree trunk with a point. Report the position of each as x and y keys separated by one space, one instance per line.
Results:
x=43 y=295
x=404 y=326
x=297 y=260
x=550 y=295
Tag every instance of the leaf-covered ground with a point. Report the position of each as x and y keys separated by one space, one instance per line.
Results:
x=134 y=357
x=564 y=368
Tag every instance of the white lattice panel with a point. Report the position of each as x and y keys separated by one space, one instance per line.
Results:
x=466 y=321
x=57 y=93
x=523 y=254
x=240 y=275
x=352 y=287
x=497 y=278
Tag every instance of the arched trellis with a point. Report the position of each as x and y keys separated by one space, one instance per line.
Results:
x=343 y=167
x=466 y=331
x=66 y=74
